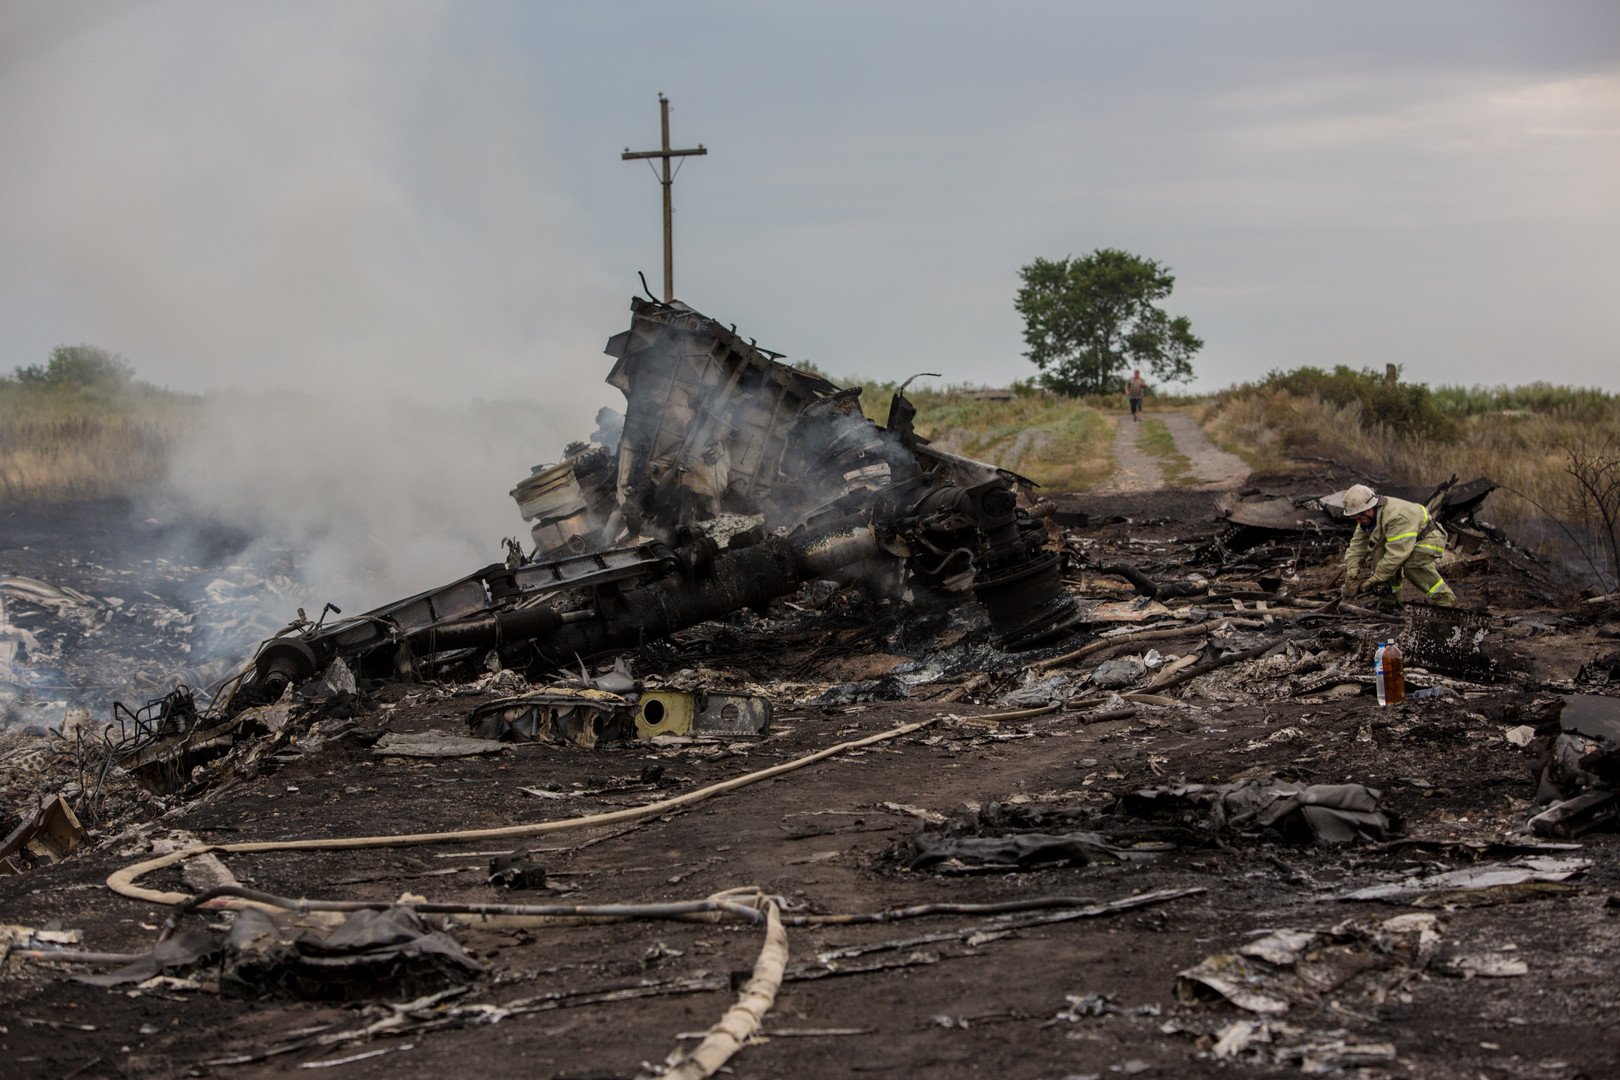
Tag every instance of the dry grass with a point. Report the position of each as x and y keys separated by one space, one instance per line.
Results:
x=1060 y=443
x=1524 y=450
x=58 y=445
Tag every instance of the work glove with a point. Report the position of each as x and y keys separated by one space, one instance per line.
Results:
x=1348 y=589
x=1383 y=595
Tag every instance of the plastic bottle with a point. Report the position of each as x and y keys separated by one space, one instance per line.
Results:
x=1389 y=673
x=1378 y=673
x=1394 y=674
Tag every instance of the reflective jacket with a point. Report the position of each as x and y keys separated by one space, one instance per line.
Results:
x=1402 y=531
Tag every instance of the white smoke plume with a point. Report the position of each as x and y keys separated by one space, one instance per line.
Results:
x=376 y=498
x=342 y=223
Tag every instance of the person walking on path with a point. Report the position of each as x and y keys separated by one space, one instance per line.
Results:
x=1405 y=544
x=1136 y=389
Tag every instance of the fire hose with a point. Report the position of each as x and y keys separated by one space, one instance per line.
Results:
x=735 y=1027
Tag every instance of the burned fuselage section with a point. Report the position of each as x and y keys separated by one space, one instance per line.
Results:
x=730 y=480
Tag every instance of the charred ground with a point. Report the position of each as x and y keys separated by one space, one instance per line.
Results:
x=950 y=996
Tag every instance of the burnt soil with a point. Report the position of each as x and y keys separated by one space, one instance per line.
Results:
x=834 y=837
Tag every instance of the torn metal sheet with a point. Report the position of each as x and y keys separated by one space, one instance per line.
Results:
x=1527 y=870
x=433 y=744
x=1260 y=519
x=1593 y=715
x=1275 y=513
x=1284 y=968
x=582 y=718
x=50 y=834
x=1450 y=640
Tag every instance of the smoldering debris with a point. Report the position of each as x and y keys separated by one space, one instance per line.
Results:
x=735 y=480
x=67 y=654
x=735 y=490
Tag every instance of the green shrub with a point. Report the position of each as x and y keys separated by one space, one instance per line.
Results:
x=1571 y=402
x=1409 y=410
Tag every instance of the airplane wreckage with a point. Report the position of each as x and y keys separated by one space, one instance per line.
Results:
x=735 y=479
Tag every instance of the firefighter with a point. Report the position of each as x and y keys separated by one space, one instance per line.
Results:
x=1405 y=544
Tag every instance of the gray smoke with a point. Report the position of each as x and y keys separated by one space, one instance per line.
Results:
x=343 y=224
x=375 y=498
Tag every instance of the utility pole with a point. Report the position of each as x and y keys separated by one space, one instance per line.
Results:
x=668 y=181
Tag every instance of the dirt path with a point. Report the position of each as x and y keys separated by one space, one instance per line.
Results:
x=1138 y=469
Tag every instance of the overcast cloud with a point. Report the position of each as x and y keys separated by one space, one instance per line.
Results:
x=429 y=196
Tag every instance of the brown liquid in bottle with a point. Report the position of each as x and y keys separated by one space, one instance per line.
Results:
x=1394 y=675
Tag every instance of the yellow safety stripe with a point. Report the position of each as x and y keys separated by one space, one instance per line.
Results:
x=1440 y=584
x=1431 y=547
x=1420 y=528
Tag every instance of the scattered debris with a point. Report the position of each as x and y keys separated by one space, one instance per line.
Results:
x=50 y=833
x=370 y=954
x=1284 y=968
x=434 y=744
x=742 y=543
x=1325 y=813
x=1438 y=890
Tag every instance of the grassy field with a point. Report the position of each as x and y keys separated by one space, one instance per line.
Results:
x=1062 y=444
x=64 y=438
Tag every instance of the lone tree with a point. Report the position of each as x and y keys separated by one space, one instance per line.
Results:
x=1089 y=321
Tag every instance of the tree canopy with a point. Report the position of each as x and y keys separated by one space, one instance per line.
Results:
x=1089 y=321
x=79 y=366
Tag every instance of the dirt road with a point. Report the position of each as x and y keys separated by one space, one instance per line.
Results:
x=1139 y=469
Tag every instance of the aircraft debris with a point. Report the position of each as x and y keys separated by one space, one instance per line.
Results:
x=49 y=834
x=1283 y=968
x=736 y=478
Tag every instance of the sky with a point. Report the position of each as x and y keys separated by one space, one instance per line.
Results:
x=388 y=239
x=428 y=198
